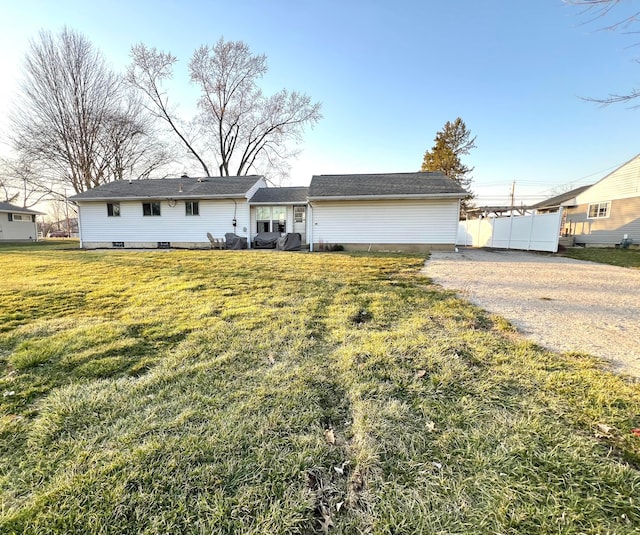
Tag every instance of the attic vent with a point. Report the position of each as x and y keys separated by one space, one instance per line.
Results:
x=164 y=245
x=202 y=180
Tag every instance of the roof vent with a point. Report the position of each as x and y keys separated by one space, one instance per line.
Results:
x=180 y=190
x=184 y=175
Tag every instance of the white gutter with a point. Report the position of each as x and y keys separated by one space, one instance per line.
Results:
x=398 y=196
x=160 y=198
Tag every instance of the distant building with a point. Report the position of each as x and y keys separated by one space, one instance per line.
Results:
x=17 y=224
x=604 y=213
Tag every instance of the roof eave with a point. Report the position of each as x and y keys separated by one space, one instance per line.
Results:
x=272 y=203
x=160 y=198
x=399 y=196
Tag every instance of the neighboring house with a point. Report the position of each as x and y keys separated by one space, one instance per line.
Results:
x=17 y=224
x=609 y=210
x=395 y=211
x=399 y=211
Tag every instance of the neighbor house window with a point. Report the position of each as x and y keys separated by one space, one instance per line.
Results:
x=113 y=209
x=598 y=210
x=22 y=217
x=150 y=208
x=192 y=208
x=271 y=219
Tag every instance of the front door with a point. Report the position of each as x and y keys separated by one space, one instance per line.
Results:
x=300 y=221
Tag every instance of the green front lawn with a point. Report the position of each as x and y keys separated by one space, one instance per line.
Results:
x=243 y=392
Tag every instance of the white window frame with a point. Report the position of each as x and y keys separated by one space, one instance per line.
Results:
x=599 y=210
x=192 y=208
x=22 y=218
x=275 y=217
x=152 y=205
x=115 y=209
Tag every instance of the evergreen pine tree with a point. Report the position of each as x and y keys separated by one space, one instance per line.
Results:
x=452 y=142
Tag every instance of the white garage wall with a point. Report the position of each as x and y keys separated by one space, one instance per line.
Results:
x=389 y=221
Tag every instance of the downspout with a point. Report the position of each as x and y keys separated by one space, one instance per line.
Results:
x=79 y=226
x=310 y=227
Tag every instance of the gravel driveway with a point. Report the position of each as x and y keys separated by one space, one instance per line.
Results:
x=560 y=303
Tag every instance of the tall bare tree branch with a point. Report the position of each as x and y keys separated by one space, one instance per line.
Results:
x=601 y=11
x=243 y=128
x=77 y=119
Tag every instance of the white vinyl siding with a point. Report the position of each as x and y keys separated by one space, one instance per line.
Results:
x=17 y=229
x=172 y=225
x=622 y=183
x=385 y=221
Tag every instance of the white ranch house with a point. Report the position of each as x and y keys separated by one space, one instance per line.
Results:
x=17 y=224
x=397 y=211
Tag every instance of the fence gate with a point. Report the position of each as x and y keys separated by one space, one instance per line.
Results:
x=528 y=233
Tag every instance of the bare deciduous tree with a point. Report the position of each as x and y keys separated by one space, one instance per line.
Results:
x=244 y=129
x=601 y=10
x=77 y=119
x=148 y=71
x=21 y=183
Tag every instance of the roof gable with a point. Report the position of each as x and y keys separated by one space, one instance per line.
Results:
x=388 y=185
x=622 y=183
x=174 y=188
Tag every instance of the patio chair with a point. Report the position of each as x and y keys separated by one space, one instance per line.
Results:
x=215 y=243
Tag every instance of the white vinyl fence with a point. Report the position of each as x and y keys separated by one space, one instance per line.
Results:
x=529 y=233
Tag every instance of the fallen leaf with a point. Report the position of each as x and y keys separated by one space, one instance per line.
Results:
x=604 y=430
x=420 y=374
x=430 y=426
x=272 y=359
x=437 y=465
x=329 y=436
x=636 y=432
x=340 y=469
x=339 y=506
x=325 y=521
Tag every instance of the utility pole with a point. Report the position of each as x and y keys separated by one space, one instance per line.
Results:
x=513 y=195
x=66 y=213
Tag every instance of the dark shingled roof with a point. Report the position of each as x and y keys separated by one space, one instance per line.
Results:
x=290 y=195
x=174 y=188
x=389 y=185
x=558 y=200
x=6 y=207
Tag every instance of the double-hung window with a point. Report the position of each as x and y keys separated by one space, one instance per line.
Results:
x=150 y=208
x=113 y=209
x=191 y=208
x=599 y=210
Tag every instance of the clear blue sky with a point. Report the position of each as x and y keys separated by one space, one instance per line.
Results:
x=389 y=74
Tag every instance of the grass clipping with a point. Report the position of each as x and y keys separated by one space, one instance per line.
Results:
x=208 y=392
